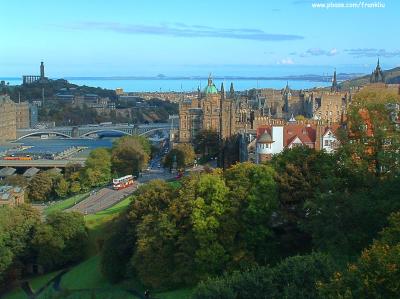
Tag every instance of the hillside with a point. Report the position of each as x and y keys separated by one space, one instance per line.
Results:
x=392 y=76
x=34 y=90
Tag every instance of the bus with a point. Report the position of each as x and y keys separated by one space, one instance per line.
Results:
x=18 y=158
x=123 y=182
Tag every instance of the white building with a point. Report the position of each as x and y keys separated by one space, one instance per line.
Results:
x=269 y=144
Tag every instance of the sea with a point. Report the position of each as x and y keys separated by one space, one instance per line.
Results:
x=183 y=85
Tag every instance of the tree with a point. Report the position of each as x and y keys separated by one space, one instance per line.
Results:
x=183 y=154
x=40 y=187
x=210 y=203
x=376 y=273
x=75 y=187
x=254 y=197
x=62 y=187
x=207 y=142
x=130 y=248
x=61 y=240
x=17 y=225
x=97 y=170
x=129 y=155
x=372 y=130
x=293 y=278
x=301 y=174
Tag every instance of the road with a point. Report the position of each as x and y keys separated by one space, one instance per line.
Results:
x=107 y=197
x=102 y=199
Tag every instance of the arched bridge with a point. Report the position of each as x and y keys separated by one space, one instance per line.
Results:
x=93 y=130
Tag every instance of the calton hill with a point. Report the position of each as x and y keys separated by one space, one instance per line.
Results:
x=65 y=112
x=306 y=224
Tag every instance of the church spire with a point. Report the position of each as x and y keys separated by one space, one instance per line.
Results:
x=334 y=87
x=222 y=91
x=231 y=90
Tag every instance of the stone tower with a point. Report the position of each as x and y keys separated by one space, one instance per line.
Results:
x=41 y=70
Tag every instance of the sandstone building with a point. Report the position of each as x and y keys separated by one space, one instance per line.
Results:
x=211 y=110
x=7 y=119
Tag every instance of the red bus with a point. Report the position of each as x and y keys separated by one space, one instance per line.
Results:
x=18 y=158
x=123 y=182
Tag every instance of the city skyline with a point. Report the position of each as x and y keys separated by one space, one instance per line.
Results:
x=179 y=38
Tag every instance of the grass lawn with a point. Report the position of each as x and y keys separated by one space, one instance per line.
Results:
x=36 y=283
x=175 y=184
x=101 y=217
x=16 y=293
x=98 y=223
x=39 y=281
x=184 y=293
x=86 y=275
x=65 y=204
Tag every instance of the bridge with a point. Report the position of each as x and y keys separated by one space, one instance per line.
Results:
x=91 y=131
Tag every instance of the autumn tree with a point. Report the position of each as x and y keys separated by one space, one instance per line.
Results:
x=40 y=187
x=183 y=154
x=130 y=154
x=375 y=274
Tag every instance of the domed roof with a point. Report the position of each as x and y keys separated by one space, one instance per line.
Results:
x=265 y=138
x=210 y=88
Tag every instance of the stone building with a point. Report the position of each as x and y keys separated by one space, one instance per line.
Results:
x=211 y=110
x=8 y=128
x=11 y=195
x=326 y=106
x=22 y=115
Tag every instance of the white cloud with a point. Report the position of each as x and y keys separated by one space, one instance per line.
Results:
x=286 y=61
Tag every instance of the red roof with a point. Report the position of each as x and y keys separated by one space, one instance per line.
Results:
x=306 y=134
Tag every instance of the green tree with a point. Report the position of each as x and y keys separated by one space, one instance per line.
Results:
x=129 y=155
x=376 y=273
x=62 y=187
x=210 y=203
x=61 y=240
x=207 y=142
x=97 y=170
x=296 y=277
x=40 y=187
x=183 y=154
x=75 y=187
x=254 y=197
x=17 y=225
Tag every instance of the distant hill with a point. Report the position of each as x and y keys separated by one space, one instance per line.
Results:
x=33 y=91
x=392 y=76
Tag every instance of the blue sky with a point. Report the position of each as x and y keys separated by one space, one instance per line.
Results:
x=236 y=37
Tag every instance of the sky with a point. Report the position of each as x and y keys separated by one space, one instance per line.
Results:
x=183 y=37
